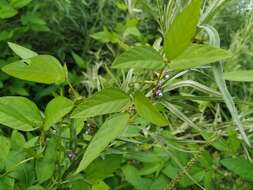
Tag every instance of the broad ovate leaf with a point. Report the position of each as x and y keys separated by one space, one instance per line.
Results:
x=105 y=135
x=19 y=113
x=104 y=102
x=22 y=52
x=148 y=111
x=240 y=76
x=42 y=69
x=239 y=166
x=182 y=30
x=199 y=55
x=56 y=110
x=139 y=57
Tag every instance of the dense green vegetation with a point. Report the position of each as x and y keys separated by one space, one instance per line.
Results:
x=126 y=94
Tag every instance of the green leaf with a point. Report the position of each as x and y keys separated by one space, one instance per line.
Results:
x=240 y=76
x=131 y=175
x=79 y=61
x=181 y=32
x=4 y=148
x=35 y=187
x=42 y=69
x=102 y=168
x=148 y=111
x=104 y=102
x=100 y=186
x=159 y=183
x=7 y=183
x=198 y=55
x=139 y=57
x=19 y=113
x=19 y=3
x=45 y=167
x=22 y=52
x=75 y=185
x=6 y=11
x=105 y=135
x=56 y=110
x=239 y=166
x=17 y=140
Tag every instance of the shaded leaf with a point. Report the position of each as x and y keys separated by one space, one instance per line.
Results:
x=239 y=166
x=102 y=168
x=4 y=148
x=45 y=167
x=131 y=175
x=35 y=187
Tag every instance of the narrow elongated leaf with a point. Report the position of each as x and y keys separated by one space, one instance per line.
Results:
x=148 y=111
x=139 y=57
x=104 y=102
x=240 y=76
x=198 y=55
x=105 y=135
x=179 y=35
x=19 y=113
x=239 y=166
x=22 y=52
x=42 y=69
x=56 y=110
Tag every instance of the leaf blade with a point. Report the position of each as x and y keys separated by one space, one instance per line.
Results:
x=148 y=111
x=25 y=119
x=104 y=102
x=198 y=55
x=106 y=134
x=42 y=69
x=179 y=35
x=139 y=57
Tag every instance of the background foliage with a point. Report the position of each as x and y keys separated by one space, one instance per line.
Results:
x=202 y=145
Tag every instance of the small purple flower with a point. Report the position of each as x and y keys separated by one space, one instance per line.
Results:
x=158 y=93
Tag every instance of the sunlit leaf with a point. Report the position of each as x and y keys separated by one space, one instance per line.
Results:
x=198 y=55
x=105 y=135
x=148 y=111
x=104 y=102
x=139 y=57
x=19 y=113
x=42 y=69
x=181 y=32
